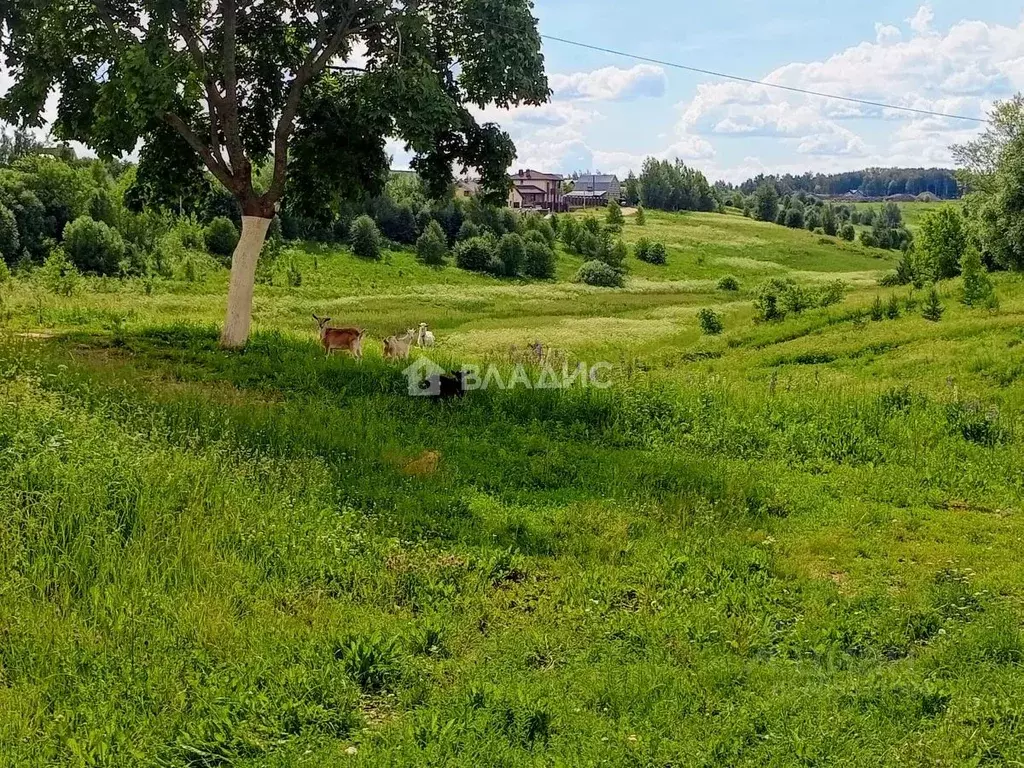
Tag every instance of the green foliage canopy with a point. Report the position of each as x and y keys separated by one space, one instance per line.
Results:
x=230 y=86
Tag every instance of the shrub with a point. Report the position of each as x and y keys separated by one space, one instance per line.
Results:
x=833 y=293
x=533 y=236
x=507 y=221
x=540 y=261
x=710 y=321
x=538 y=226
x=58 y=274
x=600 y=274
x=588 y=244
x=848 y=232
x=512 y=253
x=641 y=217
x=796 y=299
x=10 y=240
x=569 y=231
x=728 y=283
x=780 y=218
x=475 y=254
x=892 y=308
x=933 y=309
x=769 y=299
x=93 y=247
x=976 y=288
x=221 y=238
x=642 y=249
x=135 y=263
x=877 y=310
x=591 y=225
x=365 y=238
x=468 y=231
x=432 y=247
x=652 y=253
x=868 y=240
x=614 y=219
x=613 y=254
x=190 y=233
x=943 y=241
x=292 y=274
x=795 y=218
x=657 y=254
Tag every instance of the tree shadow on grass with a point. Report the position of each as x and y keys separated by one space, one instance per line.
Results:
x=524 y=448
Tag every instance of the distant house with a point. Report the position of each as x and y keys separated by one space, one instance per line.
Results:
x=467 y=188
x=607 y=183
x=533 y=189
x=515 y=198
x=586 y=199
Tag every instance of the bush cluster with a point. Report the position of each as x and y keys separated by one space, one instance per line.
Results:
x=600 y=274
x=511 y=255
x=779 y=297
x=650 y=252
x=221 y=238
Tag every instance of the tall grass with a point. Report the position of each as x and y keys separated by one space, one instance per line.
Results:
x=795 y=544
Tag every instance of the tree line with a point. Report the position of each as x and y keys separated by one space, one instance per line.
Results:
x=670 y=186
x=872 y=182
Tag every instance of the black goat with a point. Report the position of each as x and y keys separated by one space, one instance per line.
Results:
x=446 y=386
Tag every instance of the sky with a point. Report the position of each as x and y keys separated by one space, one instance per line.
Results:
x=608 y=112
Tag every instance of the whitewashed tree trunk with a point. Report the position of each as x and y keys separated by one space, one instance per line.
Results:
x=243 y=281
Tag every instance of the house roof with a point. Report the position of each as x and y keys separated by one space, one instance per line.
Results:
x=596 y=182
x=587 y=193
x=531 y=174
x=530 y=189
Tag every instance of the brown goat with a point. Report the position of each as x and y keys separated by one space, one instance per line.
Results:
x=340 y=339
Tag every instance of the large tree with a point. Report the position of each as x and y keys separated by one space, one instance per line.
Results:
x=311 y=89
x=992 y=170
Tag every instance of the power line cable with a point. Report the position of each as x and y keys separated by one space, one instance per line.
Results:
x=750 y=81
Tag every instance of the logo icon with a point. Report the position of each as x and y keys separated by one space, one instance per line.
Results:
x=424 y=378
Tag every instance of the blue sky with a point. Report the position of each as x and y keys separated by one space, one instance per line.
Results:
x=609 y=112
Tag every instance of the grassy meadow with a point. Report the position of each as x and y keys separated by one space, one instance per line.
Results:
x=796 y=543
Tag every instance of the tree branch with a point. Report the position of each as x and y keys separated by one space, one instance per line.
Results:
x=316 y=60
x=112 y=18
x=229 y=12
x=216 y=168
x=184 y=27
x=229 y=105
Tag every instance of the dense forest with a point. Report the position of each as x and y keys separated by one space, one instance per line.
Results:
x=872 y=182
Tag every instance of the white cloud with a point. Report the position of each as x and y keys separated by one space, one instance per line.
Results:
x=611 y=84
x=886 y=34
x=921 y=22
x=959 y=71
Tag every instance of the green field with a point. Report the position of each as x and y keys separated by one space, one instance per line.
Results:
x=797 y=543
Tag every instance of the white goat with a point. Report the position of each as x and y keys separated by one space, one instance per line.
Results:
x=426 y=337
